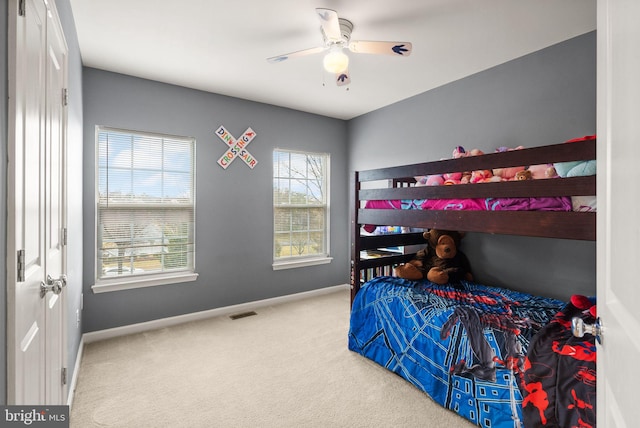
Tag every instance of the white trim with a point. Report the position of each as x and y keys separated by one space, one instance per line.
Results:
x=76 y=372
x=110 y=333
x=291 y=264
x=142 y=281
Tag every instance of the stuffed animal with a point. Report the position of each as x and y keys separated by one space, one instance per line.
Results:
x=507 y=174
x=481 y=176
x=542 y=171
x=525 y=174
x=441 y=261
x=459 y=152
x=414 y=269
x=434 y=180
x=467 y=176
x=448 y=264
x=452 y=178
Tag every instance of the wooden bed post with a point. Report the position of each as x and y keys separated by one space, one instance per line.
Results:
x=355 y=235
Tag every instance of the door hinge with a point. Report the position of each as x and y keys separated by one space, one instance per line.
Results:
x=64 y=236
x=21 y=8
x=20 y=266
x=65 y=97
x=64 y=375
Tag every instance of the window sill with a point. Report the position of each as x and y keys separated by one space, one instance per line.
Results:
x=104 y=286
x=301 y=263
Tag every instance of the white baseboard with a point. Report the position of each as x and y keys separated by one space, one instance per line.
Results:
x=95 y=336
x=76 y=371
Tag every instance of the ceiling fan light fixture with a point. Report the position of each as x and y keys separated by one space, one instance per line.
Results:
x=336 y=61
x=336 y=37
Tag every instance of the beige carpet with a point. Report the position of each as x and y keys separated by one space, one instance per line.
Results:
x=287 y=366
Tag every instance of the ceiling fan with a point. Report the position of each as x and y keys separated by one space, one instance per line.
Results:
x=336 y=35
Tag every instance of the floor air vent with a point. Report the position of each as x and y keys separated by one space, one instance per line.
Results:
x=242 y=315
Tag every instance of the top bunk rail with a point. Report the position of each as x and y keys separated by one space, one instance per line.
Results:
x=552 y=153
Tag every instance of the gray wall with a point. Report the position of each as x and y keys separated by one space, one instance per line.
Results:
x=234 y=206
x=74 y=185
x=543 y=98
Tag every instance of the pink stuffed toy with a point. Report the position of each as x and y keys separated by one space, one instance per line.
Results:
x=507 y=174
x=467 y=177
x=434 y=180
x=542 y=171
x=452 y=178
x=481 y=176
x=459 y=152
x=429 y=180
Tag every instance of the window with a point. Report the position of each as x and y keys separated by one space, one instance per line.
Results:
x=145 y=207
x=300 y=208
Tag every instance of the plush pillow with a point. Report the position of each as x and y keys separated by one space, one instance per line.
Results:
x=575 y=168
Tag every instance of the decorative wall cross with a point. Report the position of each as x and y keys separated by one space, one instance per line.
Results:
x=237 y=148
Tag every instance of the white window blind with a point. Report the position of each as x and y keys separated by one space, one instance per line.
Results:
x=300 y=203
x=145 y=203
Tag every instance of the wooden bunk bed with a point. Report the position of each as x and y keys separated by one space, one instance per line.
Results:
x=464 y=380
x=550 y=224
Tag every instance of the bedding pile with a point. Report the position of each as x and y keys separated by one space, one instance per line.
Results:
x=464 y=346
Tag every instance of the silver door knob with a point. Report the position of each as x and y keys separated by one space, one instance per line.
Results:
x=54 y=285
x=62 y=280
x=579 y=328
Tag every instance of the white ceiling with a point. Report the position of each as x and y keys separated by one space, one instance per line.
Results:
x=221 y=46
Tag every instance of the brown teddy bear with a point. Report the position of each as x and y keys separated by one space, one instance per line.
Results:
x=441 y=261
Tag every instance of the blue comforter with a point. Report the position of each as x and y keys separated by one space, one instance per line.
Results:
x=464 y=346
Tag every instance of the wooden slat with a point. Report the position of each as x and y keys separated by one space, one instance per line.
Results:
x=546 y=224
x=395 y=240
x=574 y=186
x=585 y=150
x=385 y=261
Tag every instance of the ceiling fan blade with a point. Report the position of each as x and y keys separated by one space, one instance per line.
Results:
x=384 y=48
x=343 y=78
x=303 y=52
x=330 y=24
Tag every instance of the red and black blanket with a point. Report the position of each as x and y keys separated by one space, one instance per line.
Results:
x=559 y=385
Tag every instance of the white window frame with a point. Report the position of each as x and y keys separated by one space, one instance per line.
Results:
x=133 y=280
x=303 y=260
